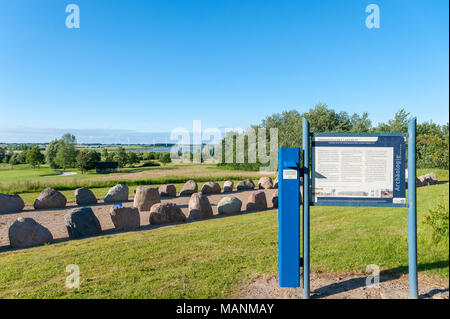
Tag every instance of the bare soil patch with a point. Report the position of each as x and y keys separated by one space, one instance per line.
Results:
x=348 y=286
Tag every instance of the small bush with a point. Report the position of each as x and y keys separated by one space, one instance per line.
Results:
x=438 y=219
x=165 y=158
x=150 y=164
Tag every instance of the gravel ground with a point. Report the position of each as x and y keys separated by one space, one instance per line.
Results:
x=53 y=219
x=349 y=286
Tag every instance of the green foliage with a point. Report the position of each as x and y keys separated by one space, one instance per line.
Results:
x=432 y=152
x=34 y=157
x=150 y=156
x=165 y=158
x=133 y=158
x=432 y=139
x=121 y=156
x=433 y=129
x=323 y=119
x=15 y=159
x=438 y=219
x=150 y=164
x=50 y=153
x=62 y=153
x=106 y=156
x=360 y=123
x=398 y=125
x=66 y=155
x=86 y=160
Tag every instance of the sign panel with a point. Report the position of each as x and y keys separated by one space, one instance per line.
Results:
x=358 y=169
x=289 y=174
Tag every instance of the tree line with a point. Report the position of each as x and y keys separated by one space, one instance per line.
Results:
x=432 y=139
x=62 y=154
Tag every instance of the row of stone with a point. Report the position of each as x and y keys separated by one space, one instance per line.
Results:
x=50 y=198
x=81 y=222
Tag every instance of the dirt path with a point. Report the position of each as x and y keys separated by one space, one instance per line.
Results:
x=53 y=219
x=349 y=286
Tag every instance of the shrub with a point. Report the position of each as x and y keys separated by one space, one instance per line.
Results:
x=438 y=219
x=149 y=164
x=165 y=158
x=432 y=152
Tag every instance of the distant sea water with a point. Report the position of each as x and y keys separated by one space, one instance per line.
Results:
x=168 y=149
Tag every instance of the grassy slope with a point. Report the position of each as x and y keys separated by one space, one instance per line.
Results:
x=213 y=258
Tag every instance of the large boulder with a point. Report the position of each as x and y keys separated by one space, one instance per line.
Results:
x=275 y=199
x=11 y=203
x=245 y=184
x=85 y=197
x=50 y=198
x=125 y=218
x=228 y=186
x=26 y=232
x=164 y=213
x=431 y=179
x=211 y=188
x=421 y=181
x=145 y=197
x=81 y=222
x=265 y=183
x=229 y=205
x=257 y=201
x=199 y=207
x=117 y=194
x=168 y=190
x=189 y=188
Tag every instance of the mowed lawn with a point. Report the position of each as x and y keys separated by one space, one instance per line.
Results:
x=214 y=258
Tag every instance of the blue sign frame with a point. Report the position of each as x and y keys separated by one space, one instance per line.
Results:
x=289 y=230
x=396 y=141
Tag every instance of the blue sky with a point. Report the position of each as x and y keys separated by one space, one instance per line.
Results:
x=151 y=66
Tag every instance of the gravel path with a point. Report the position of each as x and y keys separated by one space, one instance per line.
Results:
x=349 y=286
x=53 y=219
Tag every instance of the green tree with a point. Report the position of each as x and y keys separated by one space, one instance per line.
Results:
x=165 y=158
x=66 y=155
x=360 y=124
x=50 y=153
x=34 y=157
x=433 y=129
x=133 y=158
x=86 y=160
x=14 y=160
x=398 y=125
x=105 y=155
x=121 y=156
x=22 y=157
x=323 y=119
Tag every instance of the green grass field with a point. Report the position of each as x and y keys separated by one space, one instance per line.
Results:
x=27 y=181
x=215 y=258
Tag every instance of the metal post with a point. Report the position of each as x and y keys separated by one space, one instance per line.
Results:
x=306 y=167
x=289 y=217
x=412 y=213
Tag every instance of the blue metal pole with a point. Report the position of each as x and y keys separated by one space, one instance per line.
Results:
x=306 y=167
x=412 y=213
